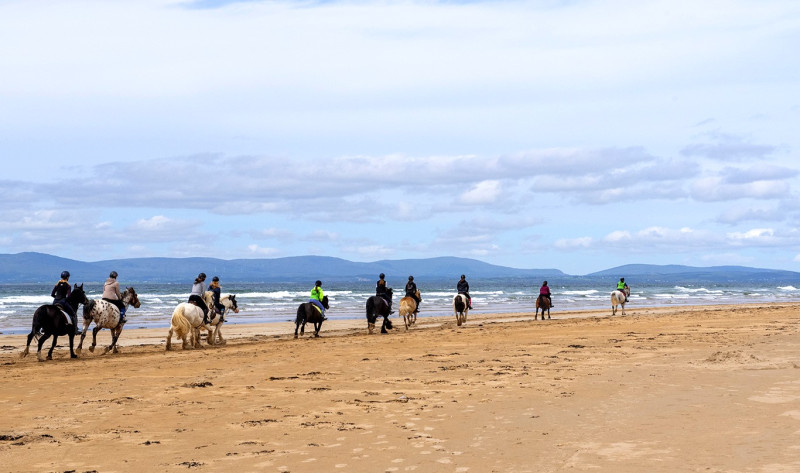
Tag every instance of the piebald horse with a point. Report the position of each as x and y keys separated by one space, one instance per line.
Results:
x=104 y=314
x=408 y=309
x=460 y=308
x=618 y=298
x=228 y=303
x=543 y=302
x=187 y=320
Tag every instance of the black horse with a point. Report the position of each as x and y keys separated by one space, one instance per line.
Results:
x=308 y=312
x=377 y=305
x=51 y=320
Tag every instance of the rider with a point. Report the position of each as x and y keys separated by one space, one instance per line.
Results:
x=382 y=290
x=621 y=286
x=316 y=298
x=216 y=293
x=544 y=291
x=60 y=293
x=411 y=291
x=463 y=288
x=198 y=291
x=111 y=294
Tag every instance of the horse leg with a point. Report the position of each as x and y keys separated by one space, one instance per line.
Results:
x=383 y=326
x=27 y=345
x=114 y=337
x=169 y=339
x=218 y=335
x=317 y=326
x=210 y=337
x=96 y=329
x=42 y=339
x=52 y=347
x=71 y=345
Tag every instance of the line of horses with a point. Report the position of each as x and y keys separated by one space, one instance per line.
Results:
x=188 y=320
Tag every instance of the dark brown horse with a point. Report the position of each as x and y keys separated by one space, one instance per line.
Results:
x=545 y=303
x=308 y=312
x=53 y=320
x=377 y=305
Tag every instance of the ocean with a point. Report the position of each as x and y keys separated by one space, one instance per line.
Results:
x=277 y=302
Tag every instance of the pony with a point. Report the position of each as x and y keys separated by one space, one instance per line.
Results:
x=545 y=304
x=52 y=320
x=309 y=312
x=187 y=320
x=104 y=314
x=618 y=298
x=377 y=305
x=460 y=308
x=408 y=309
x=229 y=303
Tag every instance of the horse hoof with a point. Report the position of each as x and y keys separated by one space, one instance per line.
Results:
x=73 y=356
x=91 y=349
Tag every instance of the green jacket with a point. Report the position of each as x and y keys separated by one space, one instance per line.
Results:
x=317 y=294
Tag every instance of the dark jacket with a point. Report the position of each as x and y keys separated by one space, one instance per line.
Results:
x=462 y=287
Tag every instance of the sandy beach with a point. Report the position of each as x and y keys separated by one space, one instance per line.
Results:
x=705 y=388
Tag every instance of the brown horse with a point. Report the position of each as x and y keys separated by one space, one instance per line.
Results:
x=408 y=309
x=543 y=302
x=308 y=312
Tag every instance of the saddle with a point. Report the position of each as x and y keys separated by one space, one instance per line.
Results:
x=63 y=312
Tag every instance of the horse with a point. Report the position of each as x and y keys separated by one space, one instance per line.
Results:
x=460 y=307
x=377 y=305
x=309 y=312
x=187 y=320
x=52 y=320
x=619 y=297
x=104 y=314
x=408 y=309
x=545 y=304
x=228 y=303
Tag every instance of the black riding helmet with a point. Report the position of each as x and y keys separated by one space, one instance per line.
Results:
x=64 y=274
x=215 y=279
x=201 y=276
x=113 y=275
x=411 y=278
x=382 y=275
x=318 y=283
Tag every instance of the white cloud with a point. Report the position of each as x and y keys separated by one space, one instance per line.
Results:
x=485 y=192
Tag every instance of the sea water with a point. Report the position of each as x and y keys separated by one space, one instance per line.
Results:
x=277 y=302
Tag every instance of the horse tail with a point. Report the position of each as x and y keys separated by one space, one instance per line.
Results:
x=370 y=309
x=301 y=313
x=180 y=323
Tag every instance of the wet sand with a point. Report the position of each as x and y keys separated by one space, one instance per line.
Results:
x=706 y=389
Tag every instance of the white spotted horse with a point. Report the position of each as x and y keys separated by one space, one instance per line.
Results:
x=460 y=308
x=619 y=298
x=377 y=306
x=228 y=303
x=105 y=314
x=51 y=320
x=308 y=312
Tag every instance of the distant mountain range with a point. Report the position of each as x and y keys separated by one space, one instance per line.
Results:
x=39 y=268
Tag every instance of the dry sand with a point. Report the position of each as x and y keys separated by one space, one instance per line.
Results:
x=707 y=389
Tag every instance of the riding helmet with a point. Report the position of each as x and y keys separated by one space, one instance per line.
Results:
x=411 y=278
x=113 y=275
x=544 y=283
x=382 y=275
x=215 y=279
x=463 y=276
x=64 y=274
x=201 y=276
x=318 y=283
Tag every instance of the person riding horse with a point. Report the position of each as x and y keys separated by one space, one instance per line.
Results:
x=544 y=291
x=463 y=288
x=216 y=293
x=111 y=294
x=411 y=291
x=196 y=296
x=382 y=291
x=621 y=286
x=316 y=298
x=60 y=293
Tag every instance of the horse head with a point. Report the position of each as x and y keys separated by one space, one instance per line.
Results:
x=234 y=305
x=79 y=295
x=419 y=297
x=133 y=298
x=325 y=302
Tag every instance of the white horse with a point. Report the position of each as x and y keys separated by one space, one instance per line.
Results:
x=618 y=298
x=187 y=320
x=408 y=309
x=460 y=308
x=104 y=314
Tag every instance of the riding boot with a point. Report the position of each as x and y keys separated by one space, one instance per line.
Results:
x=75 y=324
x=205 y=316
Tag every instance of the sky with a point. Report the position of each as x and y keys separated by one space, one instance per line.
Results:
x=575 y=135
